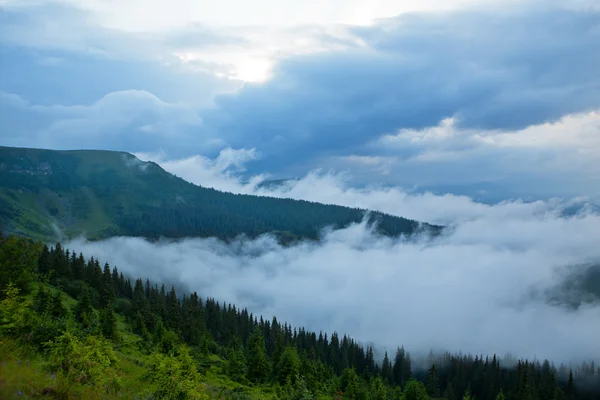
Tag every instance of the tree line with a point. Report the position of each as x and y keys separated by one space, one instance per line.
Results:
x=183 y=329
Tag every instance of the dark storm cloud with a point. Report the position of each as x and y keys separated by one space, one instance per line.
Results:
x=491 y=70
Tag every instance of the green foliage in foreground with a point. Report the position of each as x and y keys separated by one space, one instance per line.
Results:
x=138 y=341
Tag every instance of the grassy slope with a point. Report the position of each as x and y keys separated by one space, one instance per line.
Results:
x=106 y=193
x=23 y=374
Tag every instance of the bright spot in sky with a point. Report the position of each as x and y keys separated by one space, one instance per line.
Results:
x=253 y=70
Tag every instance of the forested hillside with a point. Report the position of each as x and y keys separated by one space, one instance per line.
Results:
x=72 y=327
x=45 y=194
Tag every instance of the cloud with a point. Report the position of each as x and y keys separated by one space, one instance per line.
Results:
x=558 y=150
x=118 y=120
x=169 y=15
x=477 y=289
x=336 y=97
x=527 y=67
x=222 y=173
x=237 y=53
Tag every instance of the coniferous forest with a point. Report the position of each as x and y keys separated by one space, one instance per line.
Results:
x=47 y=194
x=73 y=327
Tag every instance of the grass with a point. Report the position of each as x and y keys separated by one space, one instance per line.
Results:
x=24 y=373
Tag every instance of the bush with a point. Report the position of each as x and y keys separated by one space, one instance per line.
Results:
x=15 y=313
x=79 y=361
x=174 y=377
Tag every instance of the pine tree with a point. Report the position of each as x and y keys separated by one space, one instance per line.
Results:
x=56 y=308
x=386 y=370
x=44 y=261
x=415 y=390
x=140 y=306
x=570 y=392
x=288 y=366
x=402 y=367
x=467 y=395
x=108 y=322
x=117 y=288
x=349 y=383
x=433 y=383
x=41 y=302
x=84 y=308
x=59 y=261
x=256 y=358
x=78 y=268
x=379 y=389
x=107 y=295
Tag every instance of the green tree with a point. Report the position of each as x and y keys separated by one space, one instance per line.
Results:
x=84 y=307
x=402 y=367
x=107 y=296
x=15 y=313
x=236 y=364
x=18 y=262
x=379 y=391
x=433 y=383
x=349 y=384
x=256 y=358
x=44 y=261
x=41 y=301
x=386 y=369
x=174 y=377
x=108 y=322
x=56 y=307
x=467 y=395
x=288 y=366
x=570 y=392
x=415 y=390
x=82 y=362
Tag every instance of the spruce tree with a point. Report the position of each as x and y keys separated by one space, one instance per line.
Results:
x=349 y=383
x=386 y=370
x=433 y=383
x=41 y=302
x=107 y=294
x=56 y=308
x=108 y=322
x=379 y=390
x=256 y=358
x=44 y=261
x=288 y=366
x=415 y=390
x=84 y=307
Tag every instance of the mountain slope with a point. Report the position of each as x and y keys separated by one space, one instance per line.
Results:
x=46 y=193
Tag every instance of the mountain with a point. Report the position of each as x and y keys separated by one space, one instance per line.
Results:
x=46 y=194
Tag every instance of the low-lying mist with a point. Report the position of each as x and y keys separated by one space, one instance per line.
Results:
x=482 y=287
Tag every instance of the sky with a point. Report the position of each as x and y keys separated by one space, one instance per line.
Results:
x=494 y=99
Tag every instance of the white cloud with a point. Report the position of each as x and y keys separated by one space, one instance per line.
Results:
x=164 y=15
x=241 y=40
x=221 y=173
x=580 y=132
x=563 y=150
x=472 y=290
x=114 y=121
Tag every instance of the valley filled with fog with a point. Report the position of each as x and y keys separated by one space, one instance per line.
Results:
x=487 y=285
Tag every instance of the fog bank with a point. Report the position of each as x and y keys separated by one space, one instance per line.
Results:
x=479 y=288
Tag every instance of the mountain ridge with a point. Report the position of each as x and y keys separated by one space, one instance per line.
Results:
x=103 y=193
